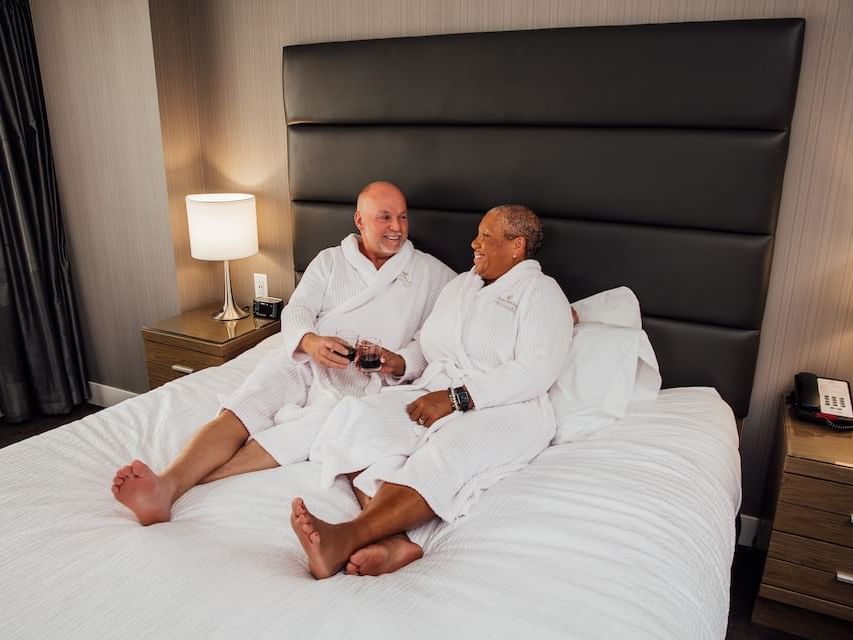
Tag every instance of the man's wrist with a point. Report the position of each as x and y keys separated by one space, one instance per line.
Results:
x=306 y=343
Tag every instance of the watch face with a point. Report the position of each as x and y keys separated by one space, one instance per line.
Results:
x=462 y=397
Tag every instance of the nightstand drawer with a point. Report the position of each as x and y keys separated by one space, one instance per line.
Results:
x=810 y=582
x=168 y=355
x=812 y=523
x=811 y=553
x=817 y=494
x=161 y=374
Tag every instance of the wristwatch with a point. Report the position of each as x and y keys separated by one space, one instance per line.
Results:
x=461 y=398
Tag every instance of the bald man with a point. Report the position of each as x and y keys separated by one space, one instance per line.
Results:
x=375 y=283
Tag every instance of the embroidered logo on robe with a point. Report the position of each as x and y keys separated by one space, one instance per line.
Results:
x=404 y=278
x=508 y=303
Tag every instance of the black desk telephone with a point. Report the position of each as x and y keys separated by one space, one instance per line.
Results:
x=823 y=400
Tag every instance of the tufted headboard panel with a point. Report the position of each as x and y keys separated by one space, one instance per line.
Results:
x=654 y=154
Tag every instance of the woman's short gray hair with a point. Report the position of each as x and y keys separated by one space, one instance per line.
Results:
x=521 y=222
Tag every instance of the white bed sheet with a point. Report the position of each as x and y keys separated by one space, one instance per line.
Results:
x=628 y=534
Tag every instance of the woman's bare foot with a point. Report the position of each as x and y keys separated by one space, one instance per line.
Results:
x=143 y=492
x=386 y=556
x=322 y=542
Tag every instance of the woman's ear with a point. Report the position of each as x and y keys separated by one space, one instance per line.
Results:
x=521 y=247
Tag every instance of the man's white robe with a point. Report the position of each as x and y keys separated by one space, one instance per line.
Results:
x=285 y=399
x=506 y=342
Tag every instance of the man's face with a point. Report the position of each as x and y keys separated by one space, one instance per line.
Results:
x=382 y=220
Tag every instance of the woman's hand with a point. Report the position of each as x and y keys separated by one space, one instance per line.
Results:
x=430 y=407
x=392 y=363
x=327 y=351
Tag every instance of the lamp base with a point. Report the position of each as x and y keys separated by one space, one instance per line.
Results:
x=230 y=311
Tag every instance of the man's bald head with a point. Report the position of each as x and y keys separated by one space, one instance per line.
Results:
x=381 y=189
x=381 y=217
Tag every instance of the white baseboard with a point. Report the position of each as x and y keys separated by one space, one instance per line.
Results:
x=754 y=532
x=104 y=396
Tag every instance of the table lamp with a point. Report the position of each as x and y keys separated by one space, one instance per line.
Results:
x=223 y=226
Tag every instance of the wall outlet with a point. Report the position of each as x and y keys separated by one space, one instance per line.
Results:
x=261 y=285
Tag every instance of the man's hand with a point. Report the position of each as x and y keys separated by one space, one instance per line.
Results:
x=392 y=363
x=430 y=407
x=327 y=351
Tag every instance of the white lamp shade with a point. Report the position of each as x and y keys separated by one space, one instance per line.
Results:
x=223 y=226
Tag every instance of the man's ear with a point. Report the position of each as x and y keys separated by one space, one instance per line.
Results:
x=357 y=219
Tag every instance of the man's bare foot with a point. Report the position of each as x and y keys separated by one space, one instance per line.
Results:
x=385 y=556
x=143 y=492
x=322 y=542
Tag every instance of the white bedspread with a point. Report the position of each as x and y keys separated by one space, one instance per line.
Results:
x=628 y=534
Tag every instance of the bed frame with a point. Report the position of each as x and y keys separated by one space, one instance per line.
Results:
x=655 y=155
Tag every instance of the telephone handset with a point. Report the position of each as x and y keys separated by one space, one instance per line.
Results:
x=823 y=400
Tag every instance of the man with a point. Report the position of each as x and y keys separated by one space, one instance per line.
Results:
x=374 y=284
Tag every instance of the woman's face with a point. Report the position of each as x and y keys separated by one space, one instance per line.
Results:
x=494 y=255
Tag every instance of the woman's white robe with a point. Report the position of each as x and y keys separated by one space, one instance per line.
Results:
x=285 y=399
x=506 y=342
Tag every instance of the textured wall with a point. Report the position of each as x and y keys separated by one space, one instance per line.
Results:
x=236 y=57
x=97 y=70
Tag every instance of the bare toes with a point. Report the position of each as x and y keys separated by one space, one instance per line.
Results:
x=138 y=468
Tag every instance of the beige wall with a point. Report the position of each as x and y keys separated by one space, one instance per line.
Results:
x=97 y=70
x=219 y=82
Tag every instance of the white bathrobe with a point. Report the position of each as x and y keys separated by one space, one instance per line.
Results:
x=285 y=399
x=507 y=342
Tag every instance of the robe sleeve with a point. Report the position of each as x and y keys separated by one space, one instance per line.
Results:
x=300 y=315
x=541 y=351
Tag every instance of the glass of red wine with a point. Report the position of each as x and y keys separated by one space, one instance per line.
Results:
x=369 y=353
x=351 y=339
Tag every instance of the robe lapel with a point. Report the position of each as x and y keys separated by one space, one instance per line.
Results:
x=505 y=290
x=377 y=279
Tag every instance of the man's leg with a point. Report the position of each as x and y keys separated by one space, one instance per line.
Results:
x=392 y=511
x=151 y=496
x=250 y=457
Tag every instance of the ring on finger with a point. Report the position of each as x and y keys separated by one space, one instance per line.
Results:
x=421 y=421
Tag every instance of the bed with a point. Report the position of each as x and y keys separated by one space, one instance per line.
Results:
x=655 y=154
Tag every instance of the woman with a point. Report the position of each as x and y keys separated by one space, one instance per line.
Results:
x=495 y=342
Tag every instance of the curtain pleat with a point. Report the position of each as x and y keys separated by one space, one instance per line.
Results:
x=42 y=367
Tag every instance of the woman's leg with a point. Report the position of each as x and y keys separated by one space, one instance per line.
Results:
x=385 y=556
x=393 y=510
x=150 y=496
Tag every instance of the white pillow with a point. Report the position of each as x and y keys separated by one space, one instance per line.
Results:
x=617 y=306
x=608 y=368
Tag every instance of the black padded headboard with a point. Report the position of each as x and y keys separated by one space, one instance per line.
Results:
x=654 y=153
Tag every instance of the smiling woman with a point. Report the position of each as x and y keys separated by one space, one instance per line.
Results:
x=507 y=235
x=495 y=342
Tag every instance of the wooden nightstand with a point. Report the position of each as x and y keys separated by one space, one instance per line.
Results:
x=807 y=586
x=194 y=340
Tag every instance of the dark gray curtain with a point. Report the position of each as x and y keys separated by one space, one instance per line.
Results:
x=41 y=355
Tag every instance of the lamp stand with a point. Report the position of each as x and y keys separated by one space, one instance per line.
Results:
x=230 y=311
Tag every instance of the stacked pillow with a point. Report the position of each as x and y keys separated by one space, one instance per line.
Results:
x=611 y=364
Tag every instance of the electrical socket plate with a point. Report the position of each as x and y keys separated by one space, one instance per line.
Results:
x=261 y=285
